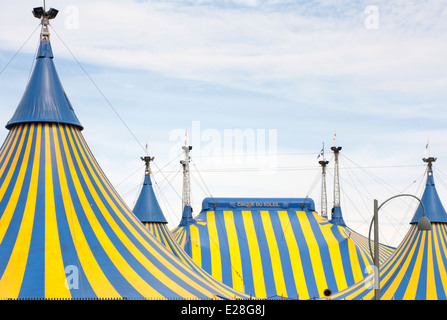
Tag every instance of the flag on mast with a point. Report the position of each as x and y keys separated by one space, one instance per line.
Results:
x=186 y=138
x=427 y=147
x=321 y=154
x=146 y=146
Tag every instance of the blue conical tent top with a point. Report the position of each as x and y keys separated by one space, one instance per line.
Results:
x=434 y=210
x=147 y=208
x=187 y=217
x=337 y=217
x=44 y=99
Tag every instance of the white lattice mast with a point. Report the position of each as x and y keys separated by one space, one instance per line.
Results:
x=337 y=216
x=186 y=195
x=323 y=164
x=336 y=151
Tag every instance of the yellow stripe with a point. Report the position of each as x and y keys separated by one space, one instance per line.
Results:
x=314 y=252
x=98 y=281
x=216 y=263
x=275 y=257
x=54 y=267
x=255 y=256
x=235 y=254
x=12 y=278
x=431 y=284
x=295 y=258
x=196 y=252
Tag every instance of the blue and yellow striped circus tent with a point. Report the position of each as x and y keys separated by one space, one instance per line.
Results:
x=65 y=233
x=417 y=270
x=148 y=211
x=275 y=248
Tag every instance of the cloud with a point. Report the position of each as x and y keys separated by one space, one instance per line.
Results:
x=305 y=68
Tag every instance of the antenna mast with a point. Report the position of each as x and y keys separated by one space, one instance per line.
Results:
x=336 y=151
x=186 y=196
x=323 y=164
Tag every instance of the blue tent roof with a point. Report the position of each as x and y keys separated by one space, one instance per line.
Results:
x=187 y=217
x=434 y=210
x=44 y=99
x=337 y=217
x=147 y=208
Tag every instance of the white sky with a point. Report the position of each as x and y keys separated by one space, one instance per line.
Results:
x=374 y=73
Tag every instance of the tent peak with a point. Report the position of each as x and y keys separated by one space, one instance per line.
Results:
x=44 y=100
x=147 y=208
x=45 y=17
x=434 y=210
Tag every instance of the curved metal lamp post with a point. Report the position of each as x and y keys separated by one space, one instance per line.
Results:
x=423 y=225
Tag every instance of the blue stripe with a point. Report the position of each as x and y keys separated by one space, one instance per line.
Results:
x=224 y=248
x=205 y=250
x=345 y=255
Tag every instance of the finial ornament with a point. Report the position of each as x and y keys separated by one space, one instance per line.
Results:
x=147 y=160
x=429 y=162
x=45 y=17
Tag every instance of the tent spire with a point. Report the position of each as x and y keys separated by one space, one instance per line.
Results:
x=429 y=162
x=147 y=160
x=187 y=217
x=336 y=177
x=45 y=16
x=434 y=209
x=147 y=208
x=44 y=100
x=337 y=217
x=323 y=164
x=186 y=195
